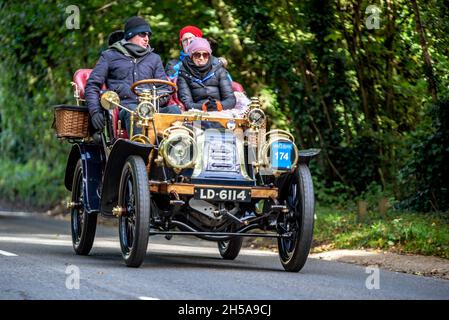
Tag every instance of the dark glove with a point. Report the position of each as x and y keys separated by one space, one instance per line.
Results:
x=98 y=120
x=213 y=105
x=163 y=101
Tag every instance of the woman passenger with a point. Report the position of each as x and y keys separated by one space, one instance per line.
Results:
x=203 y=82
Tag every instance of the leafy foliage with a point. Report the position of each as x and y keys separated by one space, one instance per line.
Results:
x=362 y=95
x=427 y=180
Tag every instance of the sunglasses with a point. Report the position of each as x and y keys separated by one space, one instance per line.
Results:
x=144 y=34
x=198 y=55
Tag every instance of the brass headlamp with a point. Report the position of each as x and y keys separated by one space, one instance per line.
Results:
x=256 y=117
x=179 y=148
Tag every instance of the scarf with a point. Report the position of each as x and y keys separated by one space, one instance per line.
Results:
x=196 y=71
x=182 y=55
x=131 y=49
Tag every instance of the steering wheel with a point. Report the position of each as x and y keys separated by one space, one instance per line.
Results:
x=153 y=81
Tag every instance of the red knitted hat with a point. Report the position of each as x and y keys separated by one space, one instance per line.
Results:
x=192 y=29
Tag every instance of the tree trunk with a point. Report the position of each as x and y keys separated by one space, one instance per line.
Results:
x=229 y=26
x=389 y=57
x=355 y=46
x=428 y=70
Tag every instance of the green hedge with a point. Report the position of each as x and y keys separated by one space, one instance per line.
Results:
x=32 y=183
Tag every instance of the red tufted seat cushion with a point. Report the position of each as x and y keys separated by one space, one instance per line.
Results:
x=237 y=87
x=115 y=119
x=80 y=79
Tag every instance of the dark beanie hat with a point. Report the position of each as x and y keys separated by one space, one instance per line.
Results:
x=135 y=25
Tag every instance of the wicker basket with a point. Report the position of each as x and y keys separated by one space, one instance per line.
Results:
x=71 y=122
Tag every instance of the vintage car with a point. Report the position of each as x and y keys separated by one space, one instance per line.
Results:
x=214 y=175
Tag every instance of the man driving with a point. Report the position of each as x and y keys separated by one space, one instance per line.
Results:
x=125 y=62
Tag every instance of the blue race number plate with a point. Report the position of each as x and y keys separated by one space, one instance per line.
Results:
x=281 y=155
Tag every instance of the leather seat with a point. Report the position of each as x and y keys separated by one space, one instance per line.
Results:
x=237 y=87
x=80 y=78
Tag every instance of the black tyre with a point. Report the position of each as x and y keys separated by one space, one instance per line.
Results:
x=83 y=225
x=134 y=223
x=229 y=250
x=293 y=251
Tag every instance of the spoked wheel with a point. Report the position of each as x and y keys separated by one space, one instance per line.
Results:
x=230 y=249
x=293 y=251
x=83 y=225
x=134 y=223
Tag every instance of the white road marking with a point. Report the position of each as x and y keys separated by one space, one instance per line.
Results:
x=65 y=240
x=16 y=214
x=178 y=248
x=35 y=240
x=8 y=254
x=148 y=298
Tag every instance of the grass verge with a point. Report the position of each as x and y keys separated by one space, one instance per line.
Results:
x=400 y=232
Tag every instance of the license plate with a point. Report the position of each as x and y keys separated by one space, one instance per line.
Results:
x=218 y=194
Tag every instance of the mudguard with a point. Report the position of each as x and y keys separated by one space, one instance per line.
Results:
x=121 y=150
x=93 y=160
x=308 y=154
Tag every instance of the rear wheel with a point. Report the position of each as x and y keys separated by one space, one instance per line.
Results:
x=134 y=223
x=83 y=225
x=293 y=251
x=229 y=250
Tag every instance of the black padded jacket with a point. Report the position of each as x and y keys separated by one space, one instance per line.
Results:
x=118 y=70
x=197 y=87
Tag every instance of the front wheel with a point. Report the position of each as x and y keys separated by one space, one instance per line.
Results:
x=229 y=250
x=293 y=251
x=134 y=223
x=83 y=225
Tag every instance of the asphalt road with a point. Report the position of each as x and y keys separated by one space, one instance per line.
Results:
x=37 y=262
